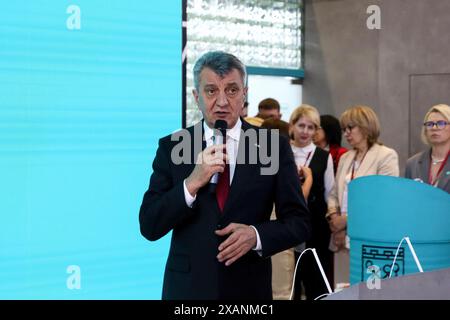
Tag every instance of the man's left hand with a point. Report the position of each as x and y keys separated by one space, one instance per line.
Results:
x=241 y=240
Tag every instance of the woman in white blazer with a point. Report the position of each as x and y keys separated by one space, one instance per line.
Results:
x=368 y=156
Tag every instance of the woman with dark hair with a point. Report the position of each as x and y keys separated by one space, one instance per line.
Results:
x=328 y=137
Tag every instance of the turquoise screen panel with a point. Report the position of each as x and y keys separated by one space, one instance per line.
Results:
x=87 y=87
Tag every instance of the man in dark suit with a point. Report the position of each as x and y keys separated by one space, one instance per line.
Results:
x=221 y=240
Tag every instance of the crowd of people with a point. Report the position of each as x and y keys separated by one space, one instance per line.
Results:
x=223 y=230
x=326 y=168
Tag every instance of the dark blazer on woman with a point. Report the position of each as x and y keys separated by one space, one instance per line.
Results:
x=418 y=166
x=309 y=272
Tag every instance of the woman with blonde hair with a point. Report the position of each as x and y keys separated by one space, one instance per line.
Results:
x=283 y=263
x=304 y=123
x=433 y=166
x=367 y=157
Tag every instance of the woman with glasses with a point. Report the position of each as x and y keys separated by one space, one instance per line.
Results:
x=433 y=166
x=304 y=123
x=368 y=156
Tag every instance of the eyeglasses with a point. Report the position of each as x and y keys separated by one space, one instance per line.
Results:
x=439 y=124
x=348 y=128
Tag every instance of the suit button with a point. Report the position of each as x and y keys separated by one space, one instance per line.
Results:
x=219 y=226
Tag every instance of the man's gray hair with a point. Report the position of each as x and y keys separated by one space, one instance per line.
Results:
x=221 y=63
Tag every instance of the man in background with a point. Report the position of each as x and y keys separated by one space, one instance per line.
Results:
x=267 y=109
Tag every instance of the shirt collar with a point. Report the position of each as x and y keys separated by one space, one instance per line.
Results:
x=234 y=133
x=309 y=148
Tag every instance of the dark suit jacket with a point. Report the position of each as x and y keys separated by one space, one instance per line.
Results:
x=417 y=168
x=192 y=269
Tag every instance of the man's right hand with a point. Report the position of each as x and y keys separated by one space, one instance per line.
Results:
x=209 y=161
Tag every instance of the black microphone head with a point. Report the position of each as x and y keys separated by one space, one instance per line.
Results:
x=221 y=125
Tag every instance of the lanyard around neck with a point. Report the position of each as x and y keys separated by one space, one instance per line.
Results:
x=353 y=165
x=307 y=158
x=436 y=179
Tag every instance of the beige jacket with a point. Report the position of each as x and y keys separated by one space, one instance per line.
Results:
x=379 y=160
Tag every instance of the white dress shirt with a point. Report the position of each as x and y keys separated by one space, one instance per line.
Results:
x=232 y=145
x=303 y=158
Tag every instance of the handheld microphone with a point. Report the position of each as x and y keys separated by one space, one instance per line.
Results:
x=220 y=131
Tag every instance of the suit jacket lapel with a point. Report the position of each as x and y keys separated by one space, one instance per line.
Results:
x=201 y=124
x=424 y=166
x=198 y=134
x=195 y=134
x=444 y=179
x=368 y=161
x=346 y=167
